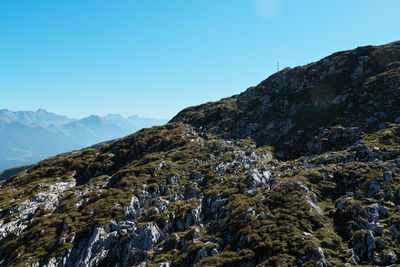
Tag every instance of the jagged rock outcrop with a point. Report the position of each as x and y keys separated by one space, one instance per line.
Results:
x=300 y=170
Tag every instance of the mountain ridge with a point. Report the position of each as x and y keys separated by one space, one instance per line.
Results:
x=300 y=170
x=40 y=116
x=313 y=95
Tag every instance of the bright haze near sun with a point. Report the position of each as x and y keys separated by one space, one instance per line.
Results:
x=154 y=58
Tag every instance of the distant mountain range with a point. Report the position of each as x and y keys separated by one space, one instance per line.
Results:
x=41 y=116
x=29 y=136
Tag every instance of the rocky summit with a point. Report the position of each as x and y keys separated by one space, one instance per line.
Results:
x=300 y=170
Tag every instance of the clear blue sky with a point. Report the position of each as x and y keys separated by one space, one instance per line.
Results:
x=156 y=57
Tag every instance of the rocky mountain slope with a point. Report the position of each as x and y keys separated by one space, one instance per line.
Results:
x=300 y=170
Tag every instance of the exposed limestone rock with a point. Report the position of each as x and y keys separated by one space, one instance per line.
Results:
x=364 y=244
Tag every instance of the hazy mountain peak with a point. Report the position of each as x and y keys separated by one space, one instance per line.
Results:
x=133 y=117
x=113 y=117
x=91 y=118
x=40 y=116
